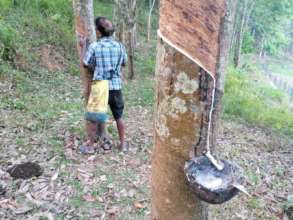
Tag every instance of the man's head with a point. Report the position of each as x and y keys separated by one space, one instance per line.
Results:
x=104 y=27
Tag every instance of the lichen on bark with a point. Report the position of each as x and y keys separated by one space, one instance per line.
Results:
x=185 y=84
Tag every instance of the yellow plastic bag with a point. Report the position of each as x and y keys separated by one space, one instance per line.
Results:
x=96 y=110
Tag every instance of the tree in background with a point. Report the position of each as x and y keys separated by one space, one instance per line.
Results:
x=244 y=8
x=269 y=26
x=262 y=27
x=125 y=22
x=151 y=8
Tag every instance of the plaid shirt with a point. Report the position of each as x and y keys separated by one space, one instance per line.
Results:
x=107 y=56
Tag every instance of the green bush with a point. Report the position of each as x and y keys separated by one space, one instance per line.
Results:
x=248 y=43
x=8 y=37
x=256 y=103
x=5 y=4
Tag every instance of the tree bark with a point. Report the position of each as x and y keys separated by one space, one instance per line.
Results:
x=178 y=121
x=131 y=23
x=225 y=41
x=84 y=26
x=130 y=55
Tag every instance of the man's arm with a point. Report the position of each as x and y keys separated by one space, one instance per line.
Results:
x=88 y=55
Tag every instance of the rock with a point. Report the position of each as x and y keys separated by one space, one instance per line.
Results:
x=2 y=191
x=25 y=170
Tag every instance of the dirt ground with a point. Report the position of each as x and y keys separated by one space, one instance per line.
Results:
x=116 y=185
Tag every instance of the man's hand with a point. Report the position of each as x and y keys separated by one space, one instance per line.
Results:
x=82 y=40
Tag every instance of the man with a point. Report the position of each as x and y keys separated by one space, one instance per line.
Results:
x=106 y=58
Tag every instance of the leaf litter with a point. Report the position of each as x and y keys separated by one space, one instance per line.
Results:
x=105 y=186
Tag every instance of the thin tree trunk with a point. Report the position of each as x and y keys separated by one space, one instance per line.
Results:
x=233 y=13
x=131 y=23
x=130 y=55
x=223 y=56
x=178 y=121
x=261 y=47
x=126 y=23
x=240 y=32
x=152 y=5
x=244 y=16
x=119 y=20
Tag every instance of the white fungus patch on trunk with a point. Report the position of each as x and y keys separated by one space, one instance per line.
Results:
x=161 y=127
x=178 y=106
x=185 y=85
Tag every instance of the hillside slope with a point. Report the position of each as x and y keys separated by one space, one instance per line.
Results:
x=41 y=120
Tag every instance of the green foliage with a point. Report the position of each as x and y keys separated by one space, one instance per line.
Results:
x=8 y=39
x=5 y=4
x=270 y=24
x=143 y=84
x=282 y=66
x=103 y=8
x=26 y=25
x=248 y=44
x=247 y=98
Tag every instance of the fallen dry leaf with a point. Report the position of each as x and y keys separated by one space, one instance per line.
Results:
x=89 y=198
x=138 y=205
x=33 y=200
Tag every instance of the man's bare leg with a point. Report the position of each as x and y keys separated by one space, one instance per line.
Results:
x=101 y=130
x=91 y=130
x=121 y=131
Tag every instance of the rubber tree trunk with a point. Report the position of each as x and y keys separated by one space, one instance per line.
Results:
x=84 y=27
x=178 y=121
x=183 y=102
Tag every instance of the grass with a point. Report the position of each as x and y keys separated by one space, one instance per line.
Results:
x=141 y=90
x=282 y=66
x=250 y=98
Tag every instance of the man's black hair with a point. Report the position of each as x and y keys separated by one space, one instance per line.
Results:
x=104 y=26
